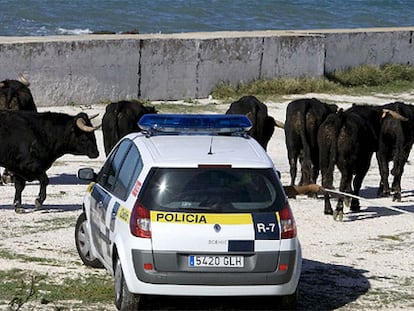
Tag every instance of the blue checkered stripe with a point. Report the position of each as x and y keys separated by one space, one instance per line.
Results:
x=266 y=227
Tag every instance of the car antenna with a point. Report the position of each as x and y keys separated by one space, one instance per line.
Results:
x=211 y=146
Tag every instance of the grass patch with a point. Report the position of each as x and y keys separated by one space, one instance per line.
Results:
x=167 y=107
x=397 y=237
x=363 y=80
x=20 y=287
x=14 y=256
x=390 y=237
x=57 y=223
x=43 y=225
x=371 y=76
x=387 y=297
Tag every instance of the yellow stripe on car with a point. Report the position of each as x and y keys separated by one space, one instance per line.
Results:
x=123 y=214
x=198 y=218
x=90 y=186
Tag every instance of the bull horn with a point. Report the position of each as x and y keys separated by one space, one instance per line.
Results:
x=279 y=124
x=81 y=124
x=93 y=116
x=23 y=79
x=393 y=114
x=250 y=116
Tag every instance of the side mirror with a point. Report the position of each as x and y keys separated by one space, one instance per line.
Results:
x=87 y=174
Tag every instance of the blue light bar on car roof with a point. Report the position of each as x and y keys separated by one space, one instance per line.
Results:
x=194 y=123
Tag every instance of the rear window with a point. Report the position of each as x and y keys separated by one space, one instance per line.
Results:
x=212 y=190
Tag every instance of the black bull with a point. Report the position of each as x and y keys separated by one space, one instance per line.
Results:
x=15 y=95
x=31 y=142
x=263 y=125
x=120 y=119
x=395 y=142
x=348 y=140
x=303 y=118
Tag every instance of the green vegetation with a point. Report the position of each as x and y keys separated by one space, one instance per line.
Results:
x=166 y=107
x=21 y=287
x=363 y=80
x=7 y=254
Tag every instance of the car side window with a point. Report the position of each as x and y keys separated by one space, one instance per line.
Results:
x=107 y=175
x=128 y=173
x=121 y=169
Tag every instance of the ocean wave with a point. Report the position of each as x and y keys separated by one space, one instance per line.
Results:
x=76 y=31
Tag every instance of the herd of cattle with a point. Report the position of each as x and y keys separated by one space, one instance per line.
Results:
x=318 y=135
x=323 y=136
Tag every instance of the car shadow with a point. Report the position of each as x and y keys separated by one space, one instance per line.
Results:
x=66 y=179
x=60 y=179
x=322 y=286
x=46 y=208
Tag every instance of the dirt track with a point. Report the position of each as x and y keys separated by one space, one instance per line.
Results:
x=362 y=263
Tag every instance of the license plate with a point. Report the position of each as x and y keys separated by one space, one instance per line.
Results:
x=216 y=261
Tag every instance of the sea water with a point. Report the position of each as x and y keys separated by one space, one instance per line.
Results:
x=60 y=17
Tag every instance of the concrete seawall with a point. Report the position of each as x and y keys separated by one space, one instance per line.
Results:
x=90 y=68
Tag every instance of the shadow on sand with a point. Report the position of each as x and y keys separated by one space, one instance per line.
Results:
x=376 y=209
x=322 y=286
x=46 y=208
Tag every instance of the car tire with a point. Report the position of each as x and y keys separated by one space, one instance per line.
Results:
x=124 y=299
x=83 y=243
x=290 y=302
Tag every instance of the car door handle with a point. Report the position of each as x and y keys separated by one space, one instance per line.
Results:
x=100 y=204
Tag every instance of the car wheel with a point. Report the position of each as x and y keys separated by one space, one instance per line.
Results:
x=83 y=243
x=290 y=302
x=124 y=299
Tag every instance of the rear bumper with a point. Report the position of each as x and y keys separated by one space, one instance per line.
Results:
x=175 y=270
x=200 y=283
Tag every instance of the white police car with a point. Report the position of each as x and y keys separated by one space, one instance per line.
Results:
x=190 y=206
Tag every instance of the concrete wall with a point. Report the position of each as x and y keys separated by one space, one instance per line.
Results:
x=87 y=69
x=345 y=48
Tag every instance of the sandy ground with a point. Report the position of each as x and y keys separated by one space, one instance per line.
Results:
x=362 y=263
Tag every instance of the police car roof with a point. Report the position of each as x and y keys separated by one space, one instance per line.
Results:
x=194 y=150
x=189 y=140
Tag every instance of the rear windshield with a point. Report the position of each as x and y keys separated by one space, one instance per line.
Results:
x=212 y=190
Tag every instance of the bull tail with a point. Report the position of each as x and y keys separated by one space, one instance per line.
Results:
x=339 y=121
x=116 y=133
x=306 y=162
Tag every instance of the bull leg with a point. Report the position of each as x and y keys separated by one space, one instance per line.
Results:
x=19 y=185
x=355 y=206
x=397 y=171
x=306 y=172
x=357 y=183
x=397 y=189
x=44 y=181
x=339 y=212
x=345 y=186
x=328 y=207
x=293 y=169
x=6 y=177
x=315 y=172
x=384 y=188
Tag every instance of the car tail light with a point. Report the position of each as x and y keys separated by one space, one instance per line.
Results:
x=140 y=223
x=287 y=222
